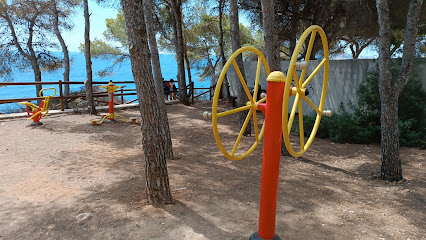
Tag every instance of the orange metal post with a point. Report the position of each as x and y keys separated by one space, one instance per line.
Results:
x=111 y=104
x=271 y=162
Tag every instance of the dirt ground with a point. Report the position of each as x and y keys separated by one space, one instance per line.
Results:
x=71 y=180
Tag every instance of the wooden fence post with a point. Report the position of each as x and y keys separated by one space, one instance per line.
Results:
x=122 y=97
x=192 y=91
x=61 y=96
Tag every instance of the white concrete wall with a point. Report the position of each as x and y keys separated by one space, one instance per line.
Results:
x=344 y=78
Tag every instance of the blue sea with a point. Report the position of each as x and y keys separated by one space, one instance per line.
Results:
x=78 y=73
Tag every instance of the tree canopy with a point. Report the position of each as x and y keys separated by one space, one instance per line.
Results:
x=27 y=37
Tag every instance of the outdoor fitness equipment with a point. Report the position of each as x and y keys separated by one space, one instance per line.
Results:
x=277 y=121
x=111 y=88
x=37 y=112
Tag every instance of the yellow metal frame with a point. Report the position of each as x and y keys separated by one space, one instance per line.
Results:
x=300 y=86
x=251 y=105
x=110 y=87
x=44 y=111
x=298 y=91
x=110 y=115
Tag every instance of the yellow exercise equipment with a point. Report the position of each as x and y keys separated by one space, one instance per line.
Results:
x=35 y=112
x=278 y=122
x=299 y=90
x=252 y=105
x=111 y=88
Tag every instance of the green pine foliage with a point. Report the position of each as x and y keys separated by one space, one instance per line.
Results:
x=363 y=125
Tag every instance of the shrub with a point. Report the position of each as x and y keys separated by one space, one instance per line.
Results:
x=363 y=126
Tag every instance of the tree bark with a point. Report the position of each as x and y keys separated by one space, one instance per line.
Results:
x=224 y=91
x=271 y=44
x=89 y=74
x=37 y=73
x=188 y=63
x=157 y=180
x=155 y=57
x=64 y=47
x=177 y=14
x=271 y=38
x=409 y=48
x=391 y=169
x=242 y=97
x=33 y=58
x=356 y=47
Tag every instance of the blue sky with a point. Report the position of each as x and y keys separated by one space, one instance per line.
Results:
x=75 y=37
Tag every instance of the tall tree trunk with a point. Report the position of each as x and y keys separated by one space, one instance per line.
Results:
x=37 y=74
x=270 y=36
x=33 y=58
x=64 y=49
x=236 y=44
x=155 y=58
x=188 y=63
x=177 y=14
x=391 y=169
x=224 y=91
x=271 y=44
x=157 y=180
x=88 y=82
x=188 y=67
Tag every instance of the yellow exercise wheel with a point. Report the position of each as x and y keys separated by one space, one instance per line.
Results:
x=300 y=89
x=251 y=105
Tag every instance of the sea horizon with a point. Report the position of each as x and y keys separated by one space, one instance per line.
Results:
x=78 y=74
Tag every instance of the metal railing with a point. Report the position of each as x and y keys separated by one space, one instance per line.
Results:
x=121 y=92
x=62 y=98
x=210 y=91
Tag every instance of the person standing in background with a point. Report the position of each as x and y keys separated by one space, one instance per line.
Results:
x=173 y=89
x=166 y=89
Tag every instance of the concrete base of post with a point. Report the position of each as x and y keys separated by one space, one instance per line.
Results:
x=111 y=121
x=255 y=236
x=33 y=124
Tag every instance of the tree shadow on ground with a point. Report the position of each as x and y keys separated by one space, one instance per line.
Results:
x=321 y=196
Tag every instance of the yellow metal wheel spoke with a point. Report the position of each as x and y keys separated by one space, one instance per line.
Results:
x=262 y=100
x=222 y=114
x=314 y=73
x=308 y=53
x=293 y=112
x=256 y=82
x=296 y=80
x=256 y=127
x=311 y=44
x=301 y=131
x=312 y=104
x=240 y=76
x=240 y=135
